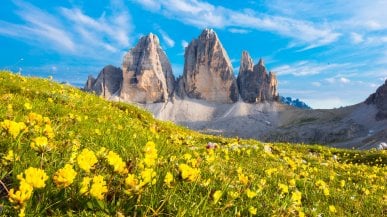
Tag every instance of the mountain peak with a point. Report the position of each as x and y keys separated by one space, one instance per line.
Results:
x=379 y=99
x=261 y=62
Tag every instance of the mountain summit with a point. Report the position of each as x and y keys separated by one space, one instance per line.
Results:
x=208 y=73
x=379 y=99
x=255 y=84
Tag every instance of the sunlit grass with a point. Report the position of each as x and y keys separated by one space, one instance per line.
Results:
x=67 y=153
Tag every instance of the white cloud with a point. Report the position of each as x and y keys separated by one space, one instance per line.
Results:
x=316 y=84
x=306 y=68
x=184 y=44
x=202 y=14
x=70 y=30
x=356 y=38
x=326 y=103
x=344 y=80
x=239 y=31
x=168 y=40
x=341 y=80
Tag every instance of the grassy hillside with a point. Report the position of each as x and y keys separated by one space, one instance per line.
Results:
x=68 y=153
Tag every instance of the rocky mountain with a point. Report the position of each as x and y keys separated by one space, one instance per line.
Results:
x=294 y=102
x=255 y=84
x=146 y=76
x=379 y=98
x=208 y=73
x=108 y=82
x=147 y=73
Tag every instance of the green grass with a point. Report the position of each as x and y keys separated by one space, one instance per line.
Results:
x=355 y=180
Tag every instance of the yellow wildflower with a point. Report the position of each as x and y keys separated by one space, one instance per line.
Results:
x=252 y=210
x=188 y=173
x=118 y=164
x=64 y=177
x=85 y=185
x=21 y=196
x=27 y=106
x=9 y=157
x=86 y=159
x=150 y=154
x=326 y=191
x=233 y=194
x=48 y=131
x=342 y=183
x=13 y=128
x=284 y=188
x=332 y=209
x=250 y=194
x=296 y=197
x=98 y=188
x=168 y=179
x=39 y=143
x=34 y=176
x=148 y=177
x=131 y=181
x=217 y=195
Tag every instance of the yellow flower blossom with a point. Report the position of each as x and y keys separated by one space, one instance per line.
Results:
x=21 y=196
x=250 y=194
x=48 y=131
x=12 y=127
x=9 y=157
x=326 y=191
x=252 y=210
x=98 y=188
x=150 y=152
x=39 y=143
x=296 y=197
x=64 y=177
x=118 y=164
x=284 y=188
x=85 y=185
x=148 y=177
x=332 y=209
x=86 y=159
x=233 y=194
x=216 y=196
x=27 y=106
x=168 y=179
x=188 y=173
x=34 y=176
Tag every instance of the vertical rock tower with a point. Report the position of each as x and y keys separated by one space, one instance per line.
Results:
x=208 y=73
x=147 y=73
x=108 y=82
x=254 y=83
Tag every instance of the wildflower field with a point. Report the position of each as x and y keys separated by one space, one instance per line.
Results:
x=64 y=152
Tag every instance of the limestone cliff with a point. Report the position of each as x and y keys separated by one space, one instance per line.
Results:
x=208 y=73
x=147 y=73
x=107 y=83
x=254 y=83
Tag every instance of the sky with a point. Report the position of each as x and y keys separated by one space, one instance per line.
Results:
x=329 y=53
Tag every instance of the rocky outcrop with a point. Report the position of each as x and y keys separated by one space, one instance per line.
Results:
x=147 y=73
x=208 y=73
x=254 y=83
x=379 y=99
x=107 y=83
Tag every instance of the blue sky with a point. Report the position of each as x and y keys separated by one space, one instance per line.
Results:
x=327 y=53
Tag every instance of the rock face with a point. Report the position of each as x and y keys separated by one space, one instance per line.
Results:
x=208 y=73
x=107 y=83
x=379 y=99
x=255 y=84
x=147 y=73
